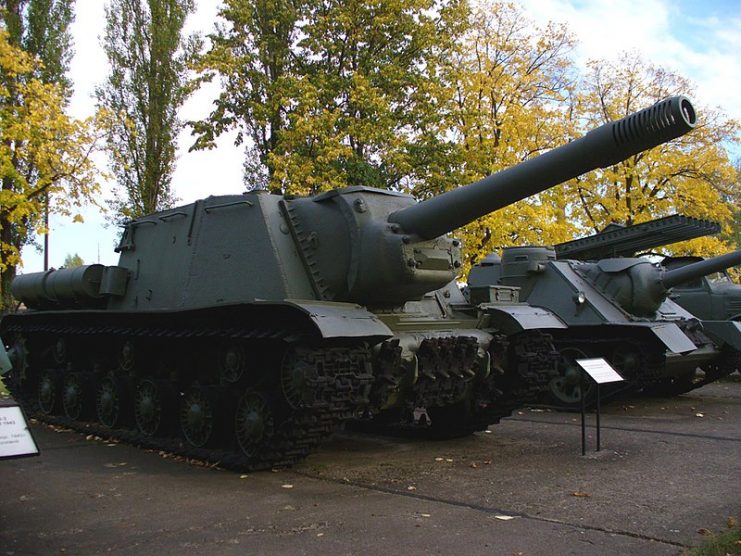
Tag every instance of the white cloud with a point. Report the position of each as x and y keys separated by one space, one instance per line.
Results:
x=701 y=49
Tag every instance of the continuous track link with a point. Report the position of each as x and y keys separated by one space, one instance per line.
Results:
x=245 y=396
x=522 y=365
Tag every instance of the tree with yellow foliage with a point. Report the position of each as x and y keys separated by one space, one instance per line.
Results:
x=691 y=175
x=512 y=81
x=43 y=152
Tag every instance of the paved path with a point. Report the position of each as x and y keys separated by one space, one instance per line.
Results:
x=667 y=469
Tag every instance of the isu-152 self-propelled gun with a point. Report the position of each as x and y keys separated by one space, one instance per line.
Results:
x=619 y=309
x=244 y=328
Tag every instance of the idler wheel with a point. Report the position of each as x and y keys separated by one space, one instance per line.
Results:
x=48 y=392
x=73 y=396
x=197 y=417
x=148 y=407
x=254 y=423
x=232 y=361
x=108 y=403
x=566 y=389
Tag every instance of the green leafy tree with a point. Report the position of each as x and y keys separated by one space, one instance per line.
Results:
x=43 y=153
x=332 y=93
x=147 y=84
x=73 y=261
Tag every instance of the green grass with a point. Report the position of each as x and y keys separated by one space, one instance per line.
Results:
x=719 y=544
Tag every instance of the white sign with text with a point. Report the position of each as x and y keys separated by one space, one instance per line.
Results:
x=600 y=370
x=15 y=438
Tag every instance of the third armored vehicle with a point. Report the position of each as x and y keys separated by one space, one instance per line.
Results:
x=244 y=328
x=617 y=308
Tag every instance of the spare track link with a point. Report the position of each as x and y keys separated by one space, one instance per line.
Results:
x=343 y=393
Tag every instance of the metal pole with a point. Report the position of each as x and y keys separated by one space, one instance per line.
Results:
x=583 y=418
x=598 y=407
x=46 y=235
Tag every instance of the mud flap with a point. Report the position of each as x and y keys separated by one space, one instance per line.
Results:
x=673 y=338
x=510 y=319
x=724 y=332
x=342 y=320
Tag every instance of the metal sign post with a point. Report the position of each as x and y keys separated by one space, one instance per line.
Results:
x=600 y=372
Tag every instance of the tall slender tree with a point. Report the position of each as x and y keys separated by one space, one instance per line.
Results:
x=147 y=84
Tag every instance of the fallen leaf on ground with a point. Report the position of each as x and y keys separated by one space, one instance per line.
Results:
x=411 y=487
x=705 y=532
x=581 y=494
x=732 y=522
x=474 y=466
x=287 y=486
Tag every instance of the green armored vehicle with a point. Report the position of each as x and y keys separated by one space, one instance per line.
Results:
x=714 y=297
x=618 y=308
x=243 y=329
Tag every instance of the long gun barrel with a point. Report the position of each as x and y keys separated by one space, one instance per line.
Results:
x=600 y=148
x=695 y=270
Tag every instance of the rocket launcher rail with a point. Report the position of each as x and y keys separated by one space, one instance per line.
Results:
x=627 y=241
x=599 y=148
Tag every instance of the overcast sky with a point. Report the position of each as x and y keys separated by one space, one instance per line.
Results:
x=698 y=40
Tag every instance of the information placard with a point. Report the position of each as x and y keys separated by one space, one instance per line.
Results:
x=600 y=370
x=15 y=437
